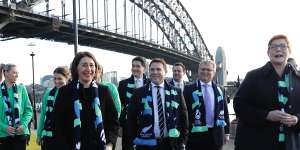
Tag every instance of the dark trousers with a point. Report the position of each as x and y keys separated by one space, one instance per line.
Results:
x=163 y=144
x=126 y=144
x=203 y=141
x=17 y=142
x=48 y=144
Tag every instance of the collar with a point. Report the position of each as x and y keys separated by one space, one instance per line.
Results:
x=139 y=79
x=162 y=85
x=181 y=82
x=209 y=83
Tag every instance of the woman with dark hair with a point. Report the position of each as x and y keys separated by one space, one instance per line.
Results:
x=267 y=103
x=15 y=110
x=45 y=127
x=85 y=115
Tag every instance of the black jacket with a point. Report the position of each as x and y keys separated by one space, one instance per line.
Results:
x=64 y=117
x=218 y=132
x=123 y=90
x=257 y=96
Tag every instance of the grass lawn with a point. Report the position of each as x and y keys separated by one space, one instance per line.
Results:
x=32 y=144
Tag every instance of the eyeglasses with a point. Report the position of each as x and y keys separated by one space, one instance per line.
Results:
x=275 y=46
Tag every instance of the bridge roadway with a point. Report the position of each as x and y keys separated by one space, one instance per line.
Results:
x=15 y=23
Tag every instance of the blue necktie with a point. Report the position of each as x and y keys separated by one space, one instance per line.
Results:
x=209 y=108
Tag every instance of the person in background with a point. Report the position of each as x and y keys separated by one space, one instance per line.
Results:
x=178 y=74
x=267 y=103
x=208 y=112
x=112 y=88
x=15 y=110
x=126 y=88
x=85 y=117
x=45 y=138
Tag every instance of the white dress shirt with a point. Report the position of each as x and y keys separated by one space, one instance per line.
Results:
x=209 y=116
x=155 y=109
x=179 y=85
x=138 y=82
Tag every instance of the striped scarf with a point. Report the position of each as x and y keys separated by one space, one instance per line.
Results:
x=198 y=107
x=283 y=94
x=98 y=115
x=47 y=131
x=11 y=115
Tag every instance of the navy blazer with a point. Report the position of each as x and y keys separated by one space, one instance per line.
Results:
x=218 y=132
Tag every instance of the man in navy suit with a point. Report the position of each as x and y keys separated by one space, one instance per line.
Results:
x=157 y=114
x=125 y=89
x=178 y=74
x=207 y=109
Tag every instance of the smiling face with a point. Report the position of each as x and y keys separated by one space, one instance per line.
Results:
x=59 y=80
x=137 y=69
x=86 y=70
x=157 y=73
x=206 y=72
x=178 y=73
x=279 y=52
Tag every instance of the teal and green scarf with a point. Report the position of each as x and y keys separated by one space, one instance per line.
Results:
x=283 y=95
x=198 y=106
x=96 y=106
x=12 y=114
x=48 y=129
x=146 y=116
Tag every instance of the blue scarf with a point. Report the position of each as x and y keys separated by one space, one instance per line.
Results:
x=283 y=95
x=146 y=134
x=129 y=92
x=48 y=129
x=13 y=117
x=96 y=106
x=198 y=107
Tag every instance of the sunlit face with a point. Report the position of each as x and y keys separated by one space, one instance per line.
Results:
x=59 y=80
x=278 y=52
x=11 y=75
x=137 y=69
x=157 y=73
x=206 y=72
x=86 y=70
x=178 y=73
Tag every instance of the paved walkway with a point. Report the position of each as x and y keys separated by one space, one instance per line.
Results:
x=228 y=146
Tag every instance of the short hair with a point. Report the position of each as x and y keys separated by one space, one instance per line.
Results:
x=5 y=68
x=140 y=59
x=180 y=64
x=159 y=60
x=279 y=36
x=76 y=61
x=206 y=62
x=63 y=70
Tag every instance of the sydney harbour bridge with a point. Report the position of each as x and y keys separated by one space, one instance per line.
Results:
x=149 y=28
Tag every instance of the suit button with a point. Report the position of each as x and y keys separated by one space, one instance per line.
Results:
x=290 y=106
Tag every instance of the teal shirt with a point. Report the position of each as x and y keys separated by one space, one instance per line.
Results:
x=115 y=95
x=42 y=118
x=25 y=110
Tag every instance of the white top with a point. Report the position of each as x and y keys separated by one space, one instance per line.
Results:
x=156 y=119
x=179 y=85
x=138 y=82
